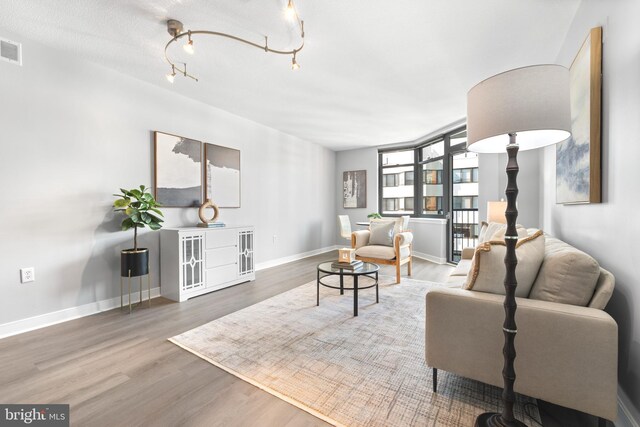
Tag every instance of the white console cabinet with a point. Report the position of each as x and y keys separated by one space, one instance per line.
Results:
x=194 y=261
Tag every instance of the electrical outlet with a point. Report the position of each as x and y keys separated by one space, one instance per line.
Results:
x=27 y=274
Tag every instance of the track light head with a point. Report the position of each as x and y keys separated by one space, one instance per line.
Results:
x=172 y=75
x=188 y=47
x=290 y=11
x=294 y=63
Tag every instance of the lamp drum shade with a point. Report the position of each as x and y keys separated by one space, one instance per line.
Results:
x=532 y=102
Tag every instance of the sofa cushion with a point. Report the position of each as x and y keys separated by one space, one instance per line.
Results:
x=567 y=275
x=488 y=269
x=462 y=269
x=455 y=281
x=382 y=233
x=381 y=252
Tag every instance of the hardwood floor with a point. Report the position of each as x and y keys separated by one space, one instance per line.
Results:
x=116 y=369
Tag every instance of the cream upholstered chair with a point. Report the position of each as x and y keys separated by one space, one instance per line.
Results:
x=397 y=252
x=345 y=226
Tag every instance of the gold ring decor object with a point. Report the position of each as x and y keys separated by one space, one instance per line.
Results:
x=201 y=212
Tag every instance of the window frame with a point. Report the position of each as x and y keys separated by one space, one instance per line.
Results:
x=418 y=180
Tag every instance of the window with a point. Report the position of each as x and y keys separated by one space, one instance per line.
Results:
x=432 y=151
x=396 y=158
x=432 y=176
x=408 y=178
x=390 y=205
x=433 y=187
x=397 y=175
x=391 y=180
x=408 y=203
x=465 y=175
x=432 y=204
x=465 y=202
x=419 y=181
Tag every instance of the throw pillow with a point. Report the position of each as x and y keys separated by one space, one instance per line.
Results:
x=488 y=269
x=382 y=233
x=499 y=234
x=567 y=276
x=483 y=231
x=398 y=223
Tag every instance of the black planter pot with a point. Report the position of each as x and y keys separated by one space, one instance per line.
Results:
x=134 y=263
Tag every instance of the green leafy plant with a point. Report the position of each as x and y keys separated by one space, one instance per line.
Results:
x=141 y=210
x=374 y=215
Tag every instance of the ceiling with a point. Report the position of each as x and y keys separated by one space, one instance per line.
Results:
x=372 y=72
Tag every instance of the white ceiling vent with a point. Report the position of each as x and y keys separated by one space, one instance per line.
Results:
x=10 y=51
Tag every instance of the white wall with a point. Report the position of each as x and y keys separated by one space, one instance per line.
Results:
x=353 y=160
x=493 y=182
x=610 y=231
x=73 y=132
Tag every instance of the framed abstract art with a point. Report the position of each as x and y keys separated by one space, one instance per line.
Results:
x=354 y=189
x=222 y=175
x=178 y=170
x=578 y=167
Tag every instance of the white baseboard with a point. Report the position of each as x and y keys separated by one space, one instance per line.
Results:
x=431 y=258
x=296 y=257
x=627 y=414
x=48 y=319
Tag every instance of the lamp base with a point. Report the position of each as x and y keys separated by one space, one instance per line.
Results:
x=489 y=419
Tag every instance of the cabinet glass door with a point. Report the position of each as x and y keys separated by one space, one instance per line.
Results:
x=245 y=252
x=192 y=262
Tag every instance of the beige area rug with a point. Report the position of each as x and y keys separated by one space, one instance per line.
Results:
x=354 y=371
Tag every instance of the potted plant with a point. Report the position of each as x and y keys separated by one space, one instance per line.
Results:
x=374 y=215
x=141 y=211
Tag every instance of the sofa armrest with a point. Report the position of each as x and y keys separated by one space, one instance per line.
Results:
x=467 y=253
x=566 y=354
x=360 y=238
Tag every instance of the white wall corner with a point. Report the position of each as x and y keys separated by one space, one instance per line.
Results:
x=55 y=317
x=628 y=415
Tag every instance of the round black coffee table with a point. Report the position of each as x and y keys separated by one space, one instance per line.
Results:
x=367 y=269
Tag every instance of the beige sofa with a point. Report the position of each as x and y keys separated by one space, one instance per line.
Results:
x=566 y=354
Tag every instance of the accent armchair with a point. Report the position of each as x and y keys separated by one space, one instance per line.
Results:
x=398 y=254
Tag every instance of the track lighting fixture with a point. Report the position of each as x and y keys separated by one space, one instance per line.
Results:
x=175 y=29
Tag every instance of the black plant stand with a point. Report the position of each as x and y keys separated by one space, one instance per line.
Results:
x=135 y=263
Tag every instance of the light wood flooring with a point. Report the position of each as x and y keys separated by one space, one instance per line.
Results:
x=116 y=369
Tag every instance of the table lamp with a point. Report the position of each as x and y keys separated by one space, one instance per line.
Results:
x=495 y=211
x=532 y=104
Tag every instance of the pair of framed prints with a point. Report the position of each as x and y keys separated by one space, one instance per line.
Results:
x=189 y=171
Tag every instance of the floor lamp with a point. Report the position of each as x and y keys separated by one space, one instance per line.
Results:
x=532 y=103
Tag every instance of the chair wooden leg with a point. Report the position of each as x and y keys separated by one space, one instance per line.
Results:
x=398 y=272
x=410 y=265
